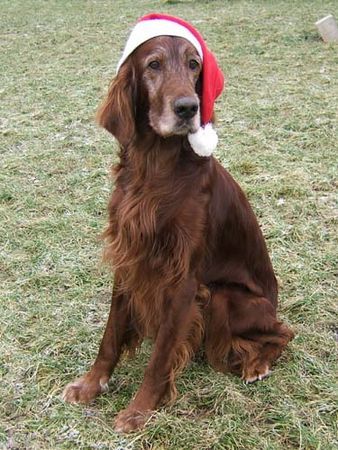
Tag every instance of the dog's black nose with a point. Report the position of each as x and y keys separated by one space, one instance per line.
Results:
x=186 y=107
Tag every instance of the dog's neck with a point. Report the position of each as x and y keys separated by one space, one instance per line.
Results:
x=152 y=155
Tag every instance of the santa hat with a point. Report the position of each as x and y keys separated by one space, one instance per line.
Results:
x=204 y=140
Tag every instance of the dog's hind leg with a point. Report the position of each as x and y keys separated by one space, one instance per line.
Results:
x=243 y=334
x=119 y=333
x=217 y=330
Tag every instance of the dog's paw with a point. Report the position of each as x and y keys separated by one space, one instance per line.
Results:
x=256 y=374
x=85 y=389
x=130 y=420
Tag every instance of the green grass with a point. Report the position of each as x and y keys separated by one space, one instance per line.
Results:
x=278 y=136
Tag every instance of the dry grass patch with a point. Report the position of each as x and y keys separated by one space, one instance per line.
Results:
x=278 y=136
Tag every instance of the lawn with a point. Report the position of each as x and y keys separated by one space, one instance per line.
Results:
x=277 y=123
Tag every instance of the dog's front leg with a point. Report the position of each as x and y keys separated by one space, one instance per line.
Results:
x=178 y=318
x=117 y=333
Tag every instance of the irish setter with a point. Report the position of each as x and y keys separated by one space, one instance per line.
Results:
x=191 y=266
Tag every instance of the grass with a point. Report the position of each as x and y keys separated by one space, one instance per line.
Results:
x=278 y=136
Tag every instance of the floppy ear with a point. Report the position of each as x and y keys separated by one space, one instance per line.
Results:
x=198 y=89
x=198 y=86
x=116 y=114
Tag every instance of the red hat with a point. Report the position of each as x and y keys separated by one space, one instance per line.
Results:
x=204 y=141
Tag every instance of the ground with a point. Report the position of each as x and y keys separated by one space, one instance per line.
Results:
x=277 y=123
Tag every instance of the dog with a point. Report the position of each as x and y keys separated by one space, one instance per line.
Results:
x=192 y=271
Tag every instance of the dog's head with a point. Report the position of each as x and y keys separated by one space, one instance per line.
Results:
x=157 y=87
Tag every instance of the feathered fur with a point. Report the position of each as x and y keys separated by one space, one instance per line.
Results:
x=191 y=266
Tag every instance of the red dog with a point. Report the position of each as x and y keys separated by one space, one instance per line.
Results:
x=191 y=265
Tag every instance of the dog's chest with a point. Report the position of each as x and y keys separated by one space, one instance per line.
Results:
x=158 y=228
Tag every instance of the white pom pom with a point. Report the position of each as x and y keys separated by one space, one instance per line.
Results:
x=204 y=141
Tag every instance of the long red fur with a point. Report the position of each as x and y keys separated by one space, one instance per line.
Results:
x=191 y=265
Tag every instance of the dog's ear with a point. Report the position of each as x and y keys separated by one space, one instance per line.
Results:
x=198 y=89
x=198 y=86
x=116 y=114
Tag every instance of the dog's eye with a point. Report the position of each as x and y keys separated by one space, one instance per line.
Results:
x=193 y=64
x=155 y=65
